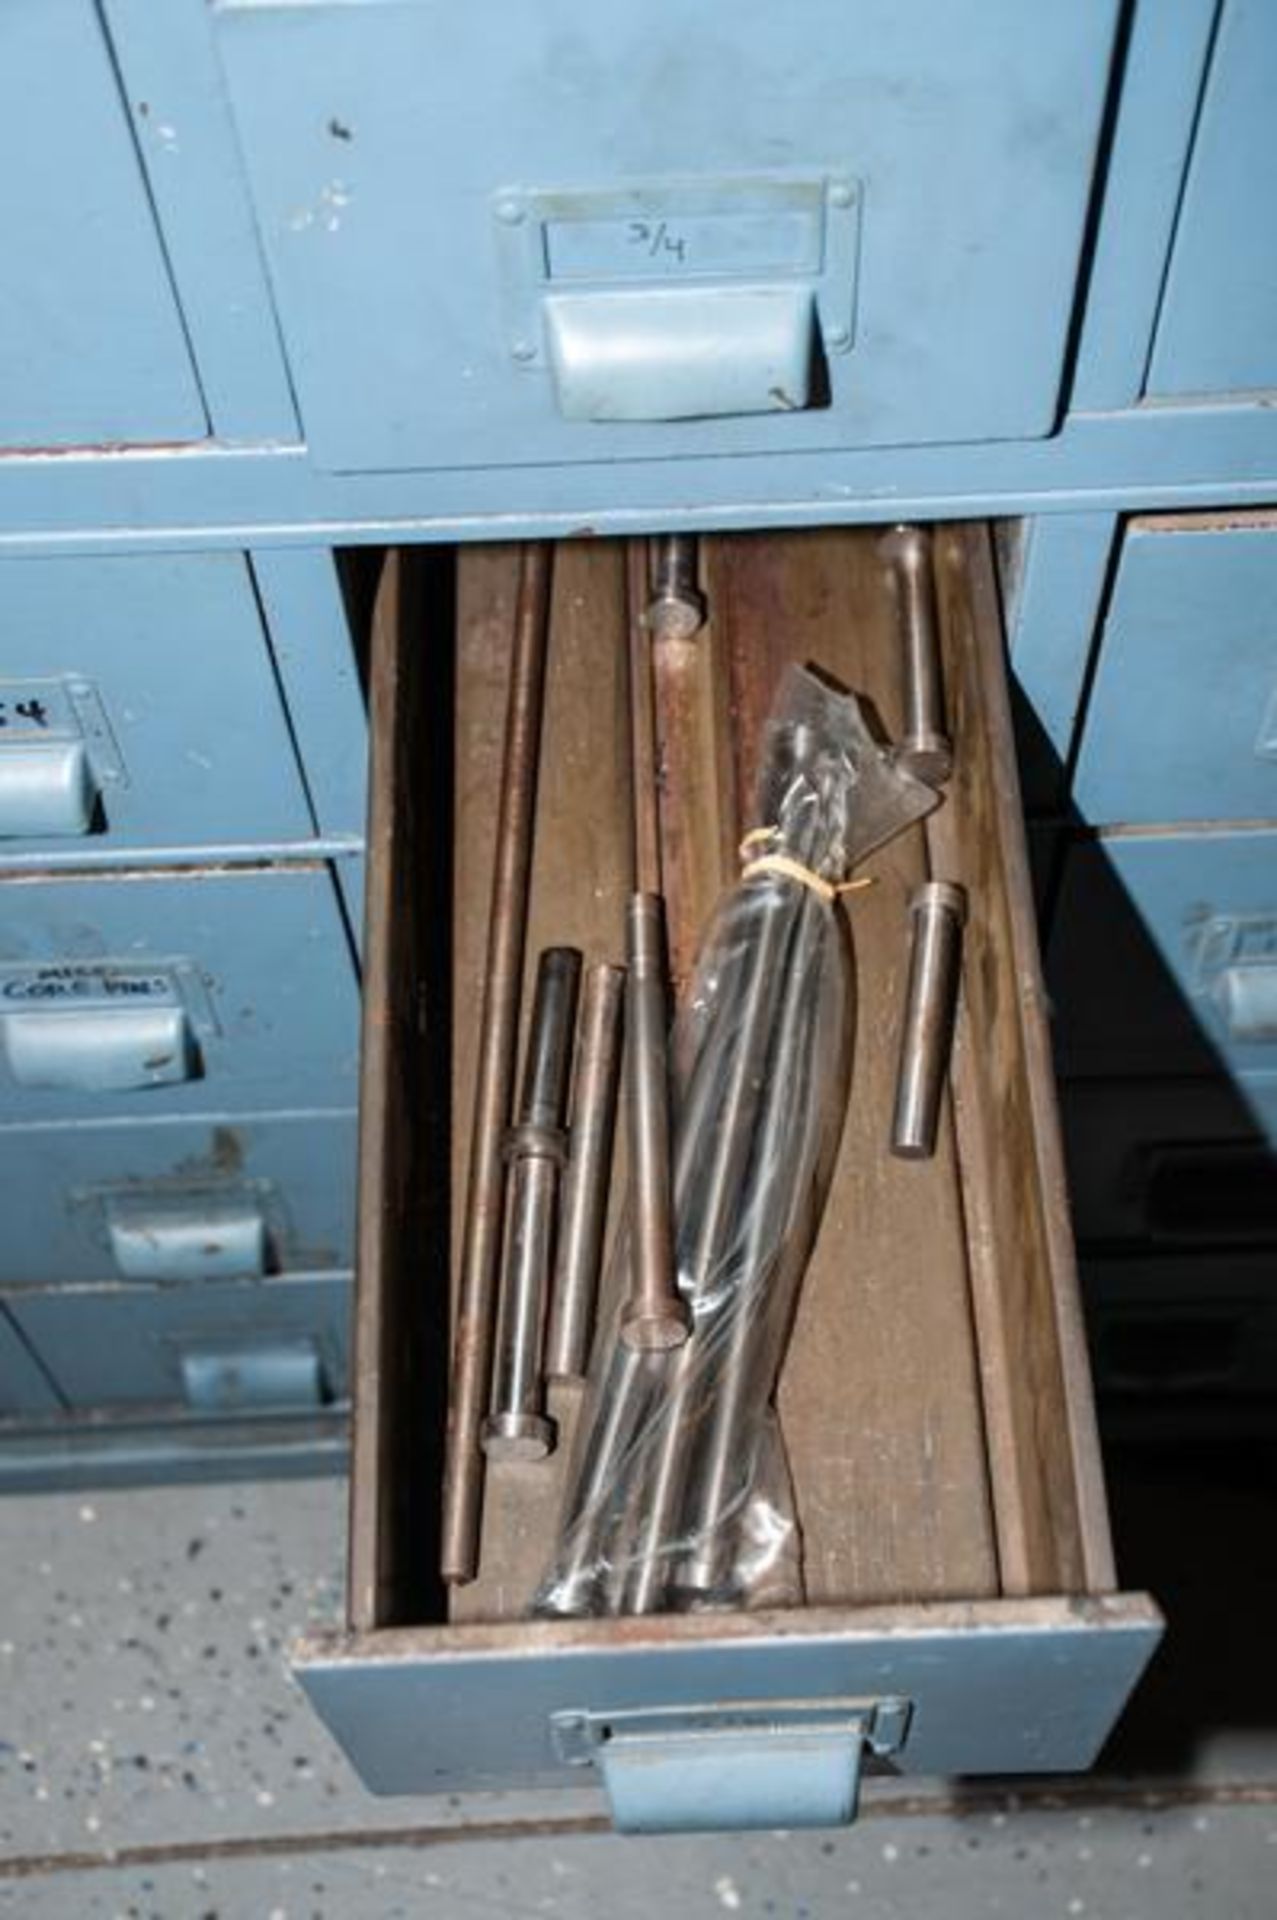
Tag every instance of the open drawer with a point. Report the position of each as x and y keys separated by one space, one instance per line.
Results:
x=960 y=1610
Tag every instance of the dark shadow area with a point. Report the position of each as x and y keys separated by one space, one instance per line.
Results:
x=1174 y=1195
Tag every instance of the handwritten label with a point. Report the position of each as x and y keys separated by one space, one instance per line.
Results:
x=87 y=983
x=672 y=246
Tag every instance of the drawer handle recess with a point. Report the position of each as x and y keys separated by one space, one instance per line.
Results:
x=284 y=1376
x=47 y=791
x=186 y=1236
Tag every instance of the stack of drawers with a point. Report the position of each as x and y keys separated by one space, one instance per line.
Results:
x=178 y=1012
x=1163 y=962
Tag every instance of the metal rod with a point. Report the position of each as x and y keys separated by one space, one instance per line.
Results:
x=676 y=609
x=588 y=1177
x=925 y=749
x=938 y=911
x=644 y=755
x=655 y=1316
x=485 y=1195
x=516 y=1428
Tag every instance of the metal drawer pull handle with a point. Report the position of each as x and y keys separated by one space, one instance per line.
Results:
x=785 y=1763
x=190 y=1235
x=47 y=790
x=680 y=354
x=100 y=1049
x=1246 y=997
x=284 y=1376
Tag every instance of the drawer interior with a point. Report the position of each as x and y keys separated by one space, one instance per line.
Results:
x=935 y=1400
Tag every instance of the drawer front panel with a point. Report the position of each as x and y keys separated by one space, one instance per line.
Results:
x=1172 y=1163
x=232 y=1349
x=90 y=336
x=215 y=992
x=1182 y=723
x=179 y=1201
x=834 y=225
x=1163 y=955
x=1217 y=331
x=1197 y=1337
x=138 y=709
x=25 y=1387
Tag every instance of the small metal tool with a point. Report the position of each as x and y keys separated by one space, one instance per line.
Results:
x=938 y=911
x=655 y=1316
x=583 y=1215
x=925 y=748
x=676 y=609
x=498 y=1030
x=516 y=1428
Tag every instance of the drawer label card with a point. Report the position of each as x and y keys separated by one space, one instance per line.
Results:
x=57 y=713
x=66 y=985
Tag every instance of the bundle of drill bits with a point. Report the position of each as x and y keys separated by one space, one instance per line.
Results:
x=658 y=1511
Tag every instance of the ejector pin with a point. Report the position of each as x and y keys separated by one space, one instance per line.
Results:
x=924 y=749
x=937 y=911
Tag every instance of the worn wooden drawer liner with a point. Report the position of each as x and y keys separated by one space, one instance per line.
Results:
x=936 y=1400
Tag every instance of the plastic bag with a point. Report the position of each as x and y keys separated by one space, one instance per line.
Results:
x=678 y=1494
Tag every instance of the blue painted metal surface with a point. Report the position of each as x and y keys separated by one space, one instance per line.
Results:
x=157 y=1345
x=314 y=655
x=257 y=962
x=1217 y=329
x=25 y=1387
x=374 y=165
x=91 y=341
x=89 y=1191
x=1060 y=578
x=1157 y=942
x=1182 y=719
x=1156 y=109
x=173 y=652
x=273 y=496
x=1001 y=1686
x=182 y=124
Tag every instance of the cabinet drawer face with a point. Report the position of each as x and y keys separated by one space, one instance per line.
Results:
x=1182 y=722
x=90 y=336
x=1217 y=330
x=232 y=1349
x=179 y=1201
x=1172 y=1163
x=25 y=1387
x=944 y=1509
x=832 y=225
x=139 y=709
x=1189 y=1338
x=137 y=996
x=1164 y=955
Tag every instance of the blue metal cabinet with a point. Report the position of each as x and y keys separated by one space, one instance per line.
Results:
x=228 y=1349
x=92 y=348
x=142 y=995
x=1217 y=328
x=1163 y=955
x=179 y=1201
x=139 y=711
x=1182 y=720
x=511 y=236
x=25 y=1387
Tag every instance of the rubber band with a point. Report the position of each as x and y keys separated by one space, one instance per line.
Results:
x=791 y=869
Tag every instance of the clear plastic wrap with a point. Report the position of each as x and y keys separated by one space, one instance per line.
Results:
x=678 y=1494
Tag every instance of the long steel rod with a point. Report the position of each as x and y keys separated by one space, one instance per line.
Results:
x=644 y=751
x=498 y=1033
x=517 y=1428
x=583 y=1215
x=924 y=747
x=676 y=609
x=654 y=1316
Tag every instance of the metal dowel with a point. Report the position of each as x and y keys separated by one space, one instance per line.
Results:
x=937 y=912
x=676 y=609
x=583 y=1215
x=516 y=1428
x=498 y=1031
x=924 y=749
x=655 y=1316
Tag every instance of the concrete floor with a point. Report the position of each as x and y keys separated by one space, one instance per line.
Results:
x=155 y=1760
